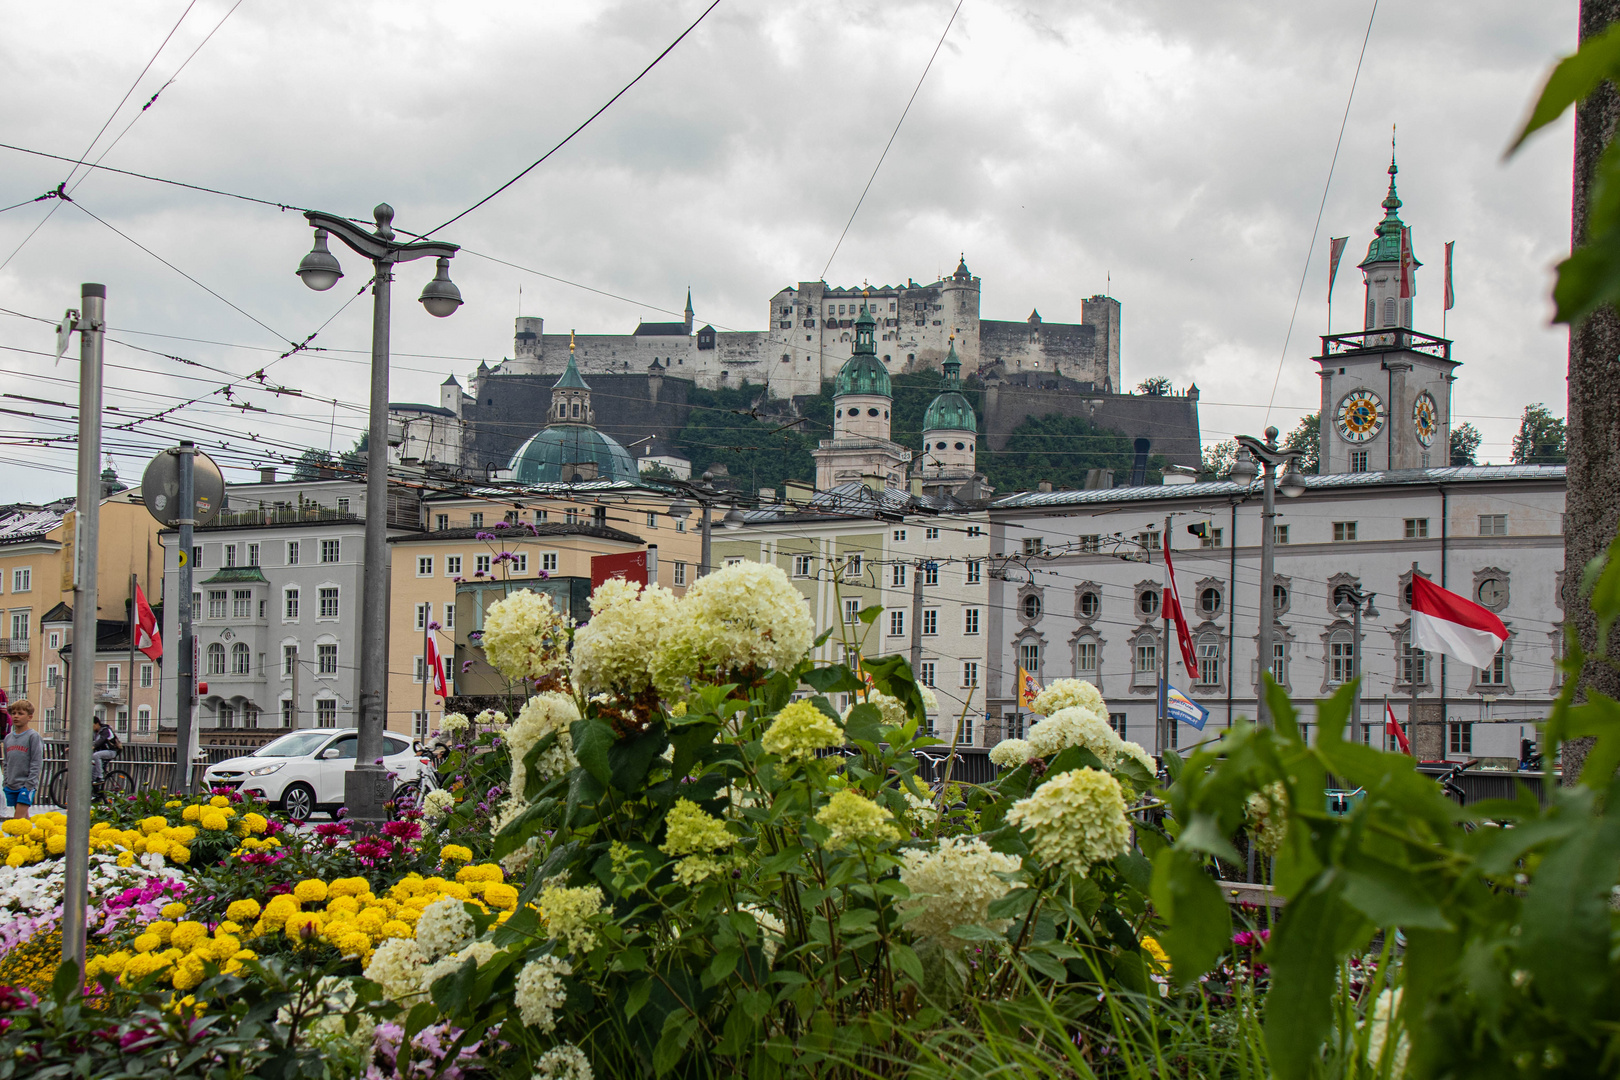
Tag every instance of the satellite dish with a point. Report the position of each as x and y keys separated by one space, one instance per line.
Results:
x=160 y=488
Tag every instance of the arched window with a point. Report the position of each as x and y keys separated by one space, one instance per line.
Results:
x=1032 y=607
x=1147 y=603
x=1090 y=604
x=1389 y=311
x=216 y=659
x=1209 y=659
x=226 y=716
x=1209 y=602
x=1341 y=658
x=241 y=659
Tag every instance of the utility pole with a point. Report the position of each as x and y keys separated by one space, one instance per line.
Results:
x=916 y=618
x=297 y=672
x=1254 y=458
x=186 y=669
x=92 y=322
x=1162 y=723
x=129 y=687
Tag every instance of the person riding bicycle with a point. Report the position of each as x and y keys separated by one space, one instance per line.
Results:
x=105 y=749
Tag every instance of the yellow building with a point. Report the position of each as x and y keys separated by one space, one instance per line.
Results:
x=35 y=555
x=482 y=545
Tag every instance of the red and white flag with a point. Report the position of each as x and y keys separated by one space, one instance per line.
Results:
x=1444 y=622
x=436 y=667
x=1408 y=265
x=148 y=639
x=1172 y=611
x=1451 y=297
x=1394 y=729
x=1335 y=253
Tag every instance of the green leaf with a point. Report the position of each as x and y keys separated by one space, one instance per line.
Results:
x=421 y=1015
x=637 y=997
x=1565 y=940
x=1050 y=966
x=592 y=740
x=673 y=1040
x=1304 y=954
x=974 y=932
x=1391 y=896
x=864 y=724
x=1012 y=905
x=905 y=958
x=1198 y=924
x=65 y=982
x=868 y=615
x=1203 y=834
x=893 y=676
x=1136 y=870
x=1070 y=758
x=834 y=679
x=1574 y=79
x=629 y=758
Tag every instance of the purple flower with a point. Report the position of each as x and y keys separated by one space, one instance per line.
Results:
x=433 y=626
x=466 y=666
x=483 y=536
x=503 y=524
x=458 y=579
x=544 y=575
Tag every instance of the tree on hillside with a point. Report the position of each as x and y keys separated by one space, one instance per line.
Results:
x=1307 y=436
x=310 y=463
x=1465 y=441
x=1061 y=449
x=1540 y=440
x=657 y=470
x=1155 y=386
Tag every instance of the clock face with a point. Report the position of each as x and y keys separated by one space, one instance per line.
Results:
x=1425 y=418
x=1360 y=416
x=1493 y=593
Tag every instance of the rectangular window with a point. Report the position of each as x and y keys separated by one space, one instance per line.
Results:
x=1410 y=661
x=253 y=554
x=196 y=557
x=230 y=555
x=481 y=565
x=974 y=530
x=1034 y=545
x=326 y=712
x=424 y=566
x=511 y=517
x=343 y=505
x=1085 y=657
x=326 y=659
x=897 y=575
x=1496 y=673
x=123 y=721
x=680 y=573
x=1147 y=656
x=734 y=560
x=925 y=673
x=292 y=553
x=1209 y=662
x=801 y=566
x=1417 y=528
x=1149 y=539
x=22 y=579
x=930 y=622
x=291 y=610
x=1212 y=538
x=452 y=565
x=897 y=624
x=931 y=573
x=1343 y=531
x=419 y=671
x=53 y=676
x=548 y=562
x=114 y=674
x=241 y=603
x=1341 y=662
x=520 y=562
x=1493 y=525
x=571 y=516
x=54 y=639
x=970 y=674
x=19 y=680
x=423 y=611
x=854 y=568
x=477 y=520
x=652 y=519
x=1460 y=738
x=441 y=522
x=1029 y=658
x=329 y=603
x=217 y=599
x=19 y=625
x=143 y=720
x=1116 y=720
x=287 y=716
x=1279 y=662
x=146 y=676
x=975 y=571
x=1280 y=534
x=1358 y=461
x=419 y=724
x=852 y=610
x=899 y=536
x=931 y=533
x=970 y=620
x=1089 y=543
x=680 y=525
x=331 y=551
x=967 y=730
x=449 y=616
x=289 y=660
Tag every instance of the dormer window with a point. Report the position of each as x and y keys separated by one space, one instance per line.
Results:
x=576 y=408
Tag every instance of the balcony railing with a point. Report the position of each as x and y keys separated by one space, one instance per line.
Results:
x=112 y=693
x=14 y=646
x=1392 y=337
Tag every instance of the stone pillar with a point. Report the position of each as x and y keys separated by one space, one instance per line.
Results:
x=1428 y=730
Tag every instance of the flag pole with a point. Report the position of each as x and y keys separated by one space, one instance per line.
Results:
x=427 y=653
x=129 y=693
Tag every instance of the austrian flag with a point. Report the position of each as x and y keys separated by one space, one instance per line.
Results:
x=1444 y=622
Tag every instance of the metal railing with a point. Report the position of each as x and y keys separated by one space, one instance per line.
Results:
x=14 y=646
x=1389 y=337
x=150 y=764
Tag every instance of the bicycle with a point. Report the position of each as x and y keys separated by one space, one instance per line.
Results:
x=113 y=782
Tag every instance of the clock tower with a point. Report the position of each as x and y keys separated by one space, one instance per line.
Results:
x=1386 y=390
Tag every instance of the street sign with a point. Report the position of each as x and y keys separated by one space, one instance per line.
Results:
x=160 y=488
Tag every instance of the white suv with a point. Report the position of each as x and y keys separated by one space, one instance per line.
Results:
x=303 y=770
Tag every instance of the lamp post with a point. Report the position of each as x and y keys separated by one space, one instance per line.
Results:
x=367 y=788
x=1352 y=602
x=706 y=495
x=1266 y=459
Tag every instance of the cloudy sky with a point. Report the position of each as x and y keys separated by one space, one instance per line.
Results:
x=1174 y=152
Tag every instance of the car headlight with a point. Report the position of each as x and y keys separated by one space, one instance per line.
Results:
x=266 y=770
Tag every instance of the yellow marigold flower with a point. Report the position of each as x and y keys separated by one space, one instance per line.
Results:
x=347 y=904
x=245 y=954
x=799 y=730
x=371 y=920
x=215 y=820
x=260 y=929
x=179 y=854
x=162 y=928
x=348 y=886
x=191 y=813
x=852 y=817
x=15 y=827
x=18 y=857
x=139 y=967
x=188 y=972
x=56 y=844
x=186 y=936
x=395 y=928
x=310 y=890
x=255 y=823
x=242 y=911
x=115 y=963
x=126 y=859
x=457 y=890
x=172 y=803
x=220 y=948
x=353 y=943
x=499 y=895
x=220 y=801
x=304 y=926
x=455 y=853
x=174 y=910
x=145 y=943
x=228 y=927
x=185 y=834
x=1151 y=946
x=154 y=824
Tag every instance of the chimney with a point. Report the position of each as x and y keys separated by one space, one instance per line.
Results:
x=767 y=495
x=1044 y=485
x=267 y=474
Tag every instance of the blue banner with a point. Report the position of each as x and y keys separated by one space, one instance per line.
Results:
x=1178 y=706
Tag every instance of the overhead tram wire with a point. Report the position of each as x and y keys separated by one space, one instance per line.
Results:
x=587 y=122
x=903 y=113
x=99 y=133
x=1321 y=207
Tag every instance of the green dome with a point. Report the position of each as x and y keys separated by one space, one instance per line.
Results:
x=950 y=412
x=863 y=373
x=541 y=459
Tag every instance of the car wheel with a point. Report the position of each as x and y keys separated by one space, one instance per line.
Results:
x=298 y=802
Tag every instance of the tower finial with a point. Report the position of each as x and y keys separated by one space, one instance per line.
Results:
x=570 y=343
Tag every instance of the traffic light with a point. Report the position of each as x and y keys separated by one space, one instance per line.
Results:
x=1199 y=529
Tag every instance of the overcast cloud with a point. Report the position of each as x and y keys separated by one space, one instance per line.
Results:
x=1177 y=149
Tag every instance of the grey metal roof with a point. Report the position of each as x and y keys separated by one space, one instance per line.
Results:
x=854 y=499
x=506 y=492
x=1459 y=474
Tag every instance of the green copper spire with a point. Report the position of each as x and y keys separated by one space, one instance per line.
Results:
x=571 y=379
x=950 y=411
x=952 y=368
x=1386 y=244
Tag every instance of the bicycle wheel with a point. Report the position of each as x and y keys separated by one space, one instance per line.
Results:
x=56 y=791
x=117 y=782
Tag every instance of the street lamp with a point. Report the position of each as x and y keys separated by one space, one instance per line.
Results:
x=1265 y=459
x=1353 y=603
x=367 y=787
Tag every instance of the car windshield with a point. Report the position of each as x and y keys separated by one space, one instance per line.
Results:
x=298 y=744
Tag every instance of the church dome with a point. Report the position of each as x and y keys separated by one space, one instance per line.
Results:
x=950 y=411
x=863 y=373
x=544 y=457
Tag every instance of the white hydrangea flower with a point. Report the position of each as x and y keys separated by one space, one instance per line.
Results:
x=453 y=722
x=747 y=615
x=518 y=861
x=492 y=719
x=436 y=804
x=921 y=811
x=1129 y=751
x=954 y=885
x=443 y=928
x=564 y=1062
x=542 y=714
x=540 y=991
x=890 y=709
x=1068 y=694
x=1011 y=753
x=613 y=650
x=525 y=636
x=1074 y=726
x=1267 y=811
x=397 y=967
x=481 y=951
x=1077 y=819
